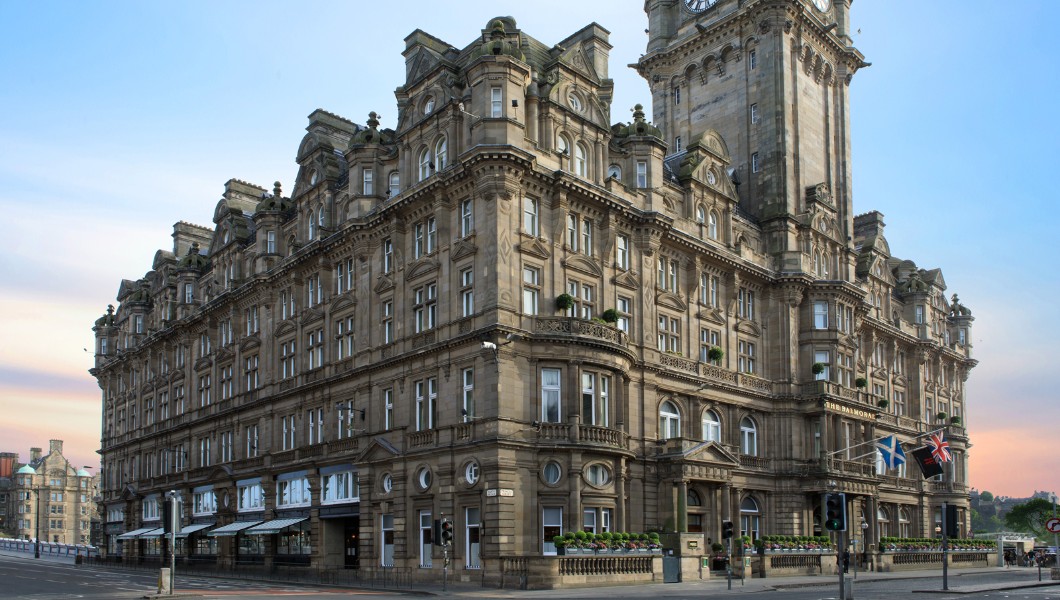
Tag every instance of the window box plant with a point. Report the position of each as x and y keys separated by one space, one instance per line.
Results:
x=715 y=353
x=861 y=382
x=817 y=368
x=883 y=403
x=955 y=420
x=941 y=416
x=610 y=316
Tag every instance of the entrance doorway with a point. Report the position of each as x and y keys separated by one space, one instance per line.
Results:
x=352 y=538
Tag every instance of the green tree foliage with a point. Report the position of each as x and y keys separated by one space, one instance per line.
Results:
x=986 y=496
x=1030 y=517
x=983 y=523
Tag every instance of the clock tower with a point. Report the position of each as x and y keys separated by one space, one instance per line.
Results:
x=771 y=77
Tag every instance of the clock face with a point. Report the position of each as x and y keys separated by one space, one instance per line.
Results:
x=698 y=6
x=822 y=5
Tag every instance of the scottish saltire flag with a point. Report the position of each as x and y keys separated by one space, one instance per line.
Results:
x=891 y=451
x=940 y=448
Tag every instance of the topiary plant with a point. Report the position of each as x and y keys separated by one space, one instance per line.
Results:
x=610 y=316
x=817 y=368
x=861 y=382
x=564 y=302
x=715 y=353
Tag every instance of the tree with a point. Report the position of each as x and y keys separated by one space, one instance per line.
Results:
x=1030 y=517
x=986 y=496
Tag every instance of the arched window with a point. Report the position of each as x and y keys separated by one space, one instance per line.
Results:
x=395 y=184
x=320 y=217
x=312 y=226
x=428 y=106
x=824 y=264
x=669 y=421
x=425 y=164
x=614 y=171
x=694 y=499
x=701 y=215
x=817 y=263
x=748 y=437
x=711 y=427
x=563 y=148
x=750 y=518
x=712 y=225
x=883 y=521
x=580 y=160
x=441 y=153
x=904 y=526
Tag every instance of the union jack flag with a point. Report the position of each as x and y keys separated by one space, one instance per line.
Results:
x=940 y=448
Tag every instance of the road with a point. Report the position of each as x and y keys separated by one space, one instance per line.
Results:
x=24 y=578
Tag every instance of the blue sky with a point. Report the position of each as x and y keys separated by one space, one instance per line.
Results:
x=118 y=119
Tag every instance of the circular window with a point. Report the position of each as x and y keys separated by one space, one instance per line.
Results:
x=428 y=106
x=471 y=473
x=574 y=101
x=552 y=472
x=598 y=475
x=388 y=483
x=423 y=478
x=711 y=178
x=314 y=177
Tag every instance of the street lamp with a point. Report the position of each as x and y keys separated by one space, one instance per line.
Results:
x=30 y=472
x=864 y=541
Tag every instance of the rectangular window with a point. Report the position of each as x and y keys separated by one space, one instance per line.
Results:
x=642 y=174
x=426 y=541
x=551 y=526
x=824 y=358
x=467 y=222
x=315 y=350
x=754 y=113
x=622 y=252
x=388 y=256
x=550 y=395
x=388 y=409
x=468 y=379
x=250 y=372
x=467 y=293
x=755 y=165
x=752 y=60
x=596 y=399
x=625 y=313
x=820 y=314
x=226 y=382
x=669 y=334
x=344 y=276
x=426 y=397
x=315 y=425
x=287 y=359
x=746 y=357
x=472 y=535
x=251 y=435
x=530 y=217
x=745 y=304
x=919 y=315
x=395 y=185
x=339 y=487
x=587 y=237
x=288 y=431
x=388 y=321
x=707 y=340
x=531 y=289
x=343 y=338
x=366 y=178
x=250 y=315
x=226 y=446
x=270 y=242
x=496 y=103
x=677 y=94
x=386 y=532
x=293 y=492
x=845 y=369
x=677 y=144
x=204 y=391
x=204 y=452
x=250 y=496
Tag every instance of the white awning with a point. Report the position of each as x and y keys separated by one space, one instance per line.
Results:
x=274 y=526
x=193 y=528
x=154 y=533
x=232 y=528
x=135 y=533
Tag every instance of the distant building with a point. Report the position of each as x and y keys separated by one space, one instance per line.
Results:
x=48 y=487
x=515 y=312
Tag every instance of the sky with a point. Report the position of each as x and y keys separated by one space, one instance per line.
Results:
x=118 y=119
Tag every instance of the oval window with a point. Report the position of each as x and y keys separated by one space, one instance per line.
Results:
x=552 y=473
x=423 y=477
x=388 y=483
x=471 y=473
x=598 y=475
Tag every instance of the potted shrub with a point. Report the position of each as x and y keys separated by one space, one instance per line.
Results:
x=610 y=316
x=653 y=543
x=581 y=539
x=561 y=545
x=941 y=416
x=861 y=382
x=564 y=302
x=955 y=420
x=882 y=403
x=715 y=354
x=760 y=546
x=817 y=368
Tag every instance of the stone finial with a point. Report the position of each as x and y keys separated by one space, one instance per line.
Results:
x=373 y=120
x=638 y=112
x=276 y=190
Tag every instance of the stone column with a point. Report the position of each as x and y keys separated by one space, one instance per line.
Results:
x=681 y=522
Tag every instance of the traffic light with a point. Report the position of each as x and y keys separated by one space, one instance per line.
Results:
x=835 y=512
x=447 y=531
x=726 y=530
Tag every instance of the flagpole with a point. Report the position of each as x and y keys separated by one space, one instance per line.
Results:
x=917 y=437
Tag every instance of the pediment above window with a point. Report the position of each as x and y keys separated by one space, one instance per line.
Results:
x=377 y=450
x=584 y=264
x=462 y=249
x=421 y=267
x=343 y=304
x=203 y=363
x=749 y=327
x=285 y=328
x=713 y=315
x=223 y=354
x=534 y=247
x=249 y=343
x=627 y=279
x=384 y=284
x=670 y=300
x=312 y=315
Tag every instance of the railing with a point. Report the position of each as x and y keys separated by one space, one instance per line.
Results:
x=602 y=566
x=420 y=439
x=719 y=374
x=757 y=462
x=678 y=362
x=917 y=558
x=345 y=445
x=285 y=456
x=601 y=435
x=802 y=561
x=579 y=327
x=553 y=431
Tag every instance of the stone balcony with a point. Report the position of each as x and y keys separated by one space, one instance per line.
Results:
x=574 y=329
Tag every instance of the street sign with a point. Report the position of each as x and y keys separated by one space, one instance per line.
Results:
x=1053 y=525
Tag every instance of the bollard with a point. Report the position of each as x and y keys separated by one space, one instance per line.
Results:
x=163 y=581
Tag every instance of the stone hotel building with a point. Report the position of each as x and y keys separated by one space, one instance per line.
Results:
x=512 y=311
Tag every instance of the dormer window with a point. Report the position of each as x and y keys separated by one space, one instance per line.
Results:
x=575 y=102
x=428 y=105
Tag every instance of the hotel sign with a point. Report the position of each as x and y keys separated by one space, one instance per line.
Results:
x=847 y=410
